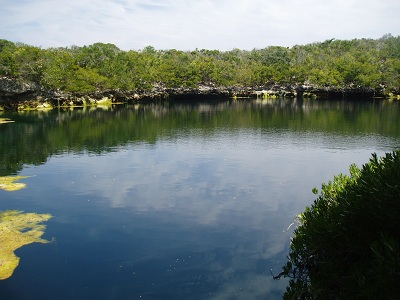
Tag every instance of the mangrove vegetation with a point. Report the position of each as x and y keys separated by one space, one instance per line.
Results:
x=347 y=245
x=337 y=64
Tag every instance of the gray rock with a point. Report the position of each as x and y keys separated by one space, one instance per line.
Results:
x=14 y=88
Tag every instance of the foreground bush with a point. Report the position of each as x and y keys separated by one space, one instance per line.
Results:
x=347 y=243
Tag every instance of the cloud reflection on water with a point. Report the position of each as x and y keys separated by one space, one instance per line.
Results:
x=227 y=207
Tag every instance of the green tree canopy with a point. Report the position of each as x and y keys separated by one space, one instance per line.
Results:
x=336 y=63
x=347 y=245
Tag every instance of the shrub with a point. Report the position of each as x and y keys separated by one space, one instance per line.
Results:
x=347 y=243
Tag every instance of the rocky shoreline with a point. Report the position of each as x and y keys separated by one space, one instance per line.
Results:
x=20 y=95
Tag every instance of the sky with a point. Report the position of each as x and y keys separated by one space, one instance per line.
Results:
x=190 y=24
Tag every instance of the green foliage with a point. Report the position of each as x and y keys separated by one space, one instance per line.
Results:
x=58 y=70
x=20 y=61
x=337 y=63
x=7 y=64
x=347 y=243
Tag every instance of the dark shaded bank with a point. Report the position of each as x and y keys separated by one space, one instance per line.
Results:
x=21 y=95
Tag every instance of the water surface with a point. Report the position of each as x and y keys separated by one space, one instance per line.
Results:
x=176 y=200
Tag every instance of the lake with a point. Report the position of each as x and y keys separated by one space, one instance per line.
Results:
x=176 y=200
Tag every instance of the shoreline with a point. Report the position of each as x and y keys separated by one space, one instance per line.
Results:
x=18 y=95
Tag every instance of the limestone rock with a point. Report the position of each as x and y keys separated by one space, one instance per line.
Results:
x=14 y=88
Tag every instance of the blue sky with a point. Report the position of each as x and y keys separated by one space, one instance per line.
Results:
x=191 y=24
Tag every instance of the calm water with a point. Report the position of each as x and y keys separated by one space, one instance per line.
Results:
x=176 y=200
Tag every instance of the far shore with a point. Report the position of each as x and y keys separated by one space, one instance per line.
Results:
x=22 y=96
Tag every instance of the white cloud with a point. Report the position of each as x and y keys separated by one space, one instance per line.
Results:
x=189 y=24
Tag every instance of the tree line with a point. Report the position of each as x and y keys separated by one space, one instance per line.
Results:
x=373 y=63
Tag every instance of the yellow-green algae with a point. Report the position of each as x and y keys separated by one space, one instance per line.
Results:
x=16 y=230
x=5 y=120
x=8 y=183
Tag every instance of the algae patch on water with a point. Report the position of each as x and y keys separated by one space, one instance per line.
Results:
x=16 y=230
x=5 y=120
x=8 y=183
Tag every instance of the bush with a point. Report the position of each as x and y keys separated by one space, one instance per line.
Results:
x=347 y=243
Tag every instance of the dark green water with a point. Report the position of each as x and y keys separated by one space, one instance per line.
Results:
x=176 y=200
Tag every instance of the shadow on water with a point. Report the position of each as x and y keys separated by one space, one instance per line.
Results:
x=35 y=136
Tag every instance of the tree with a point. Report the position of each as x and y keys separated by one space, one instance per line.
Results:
x=347 y=245
x=7 y=63
x=58 y=69
x=20 y=61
